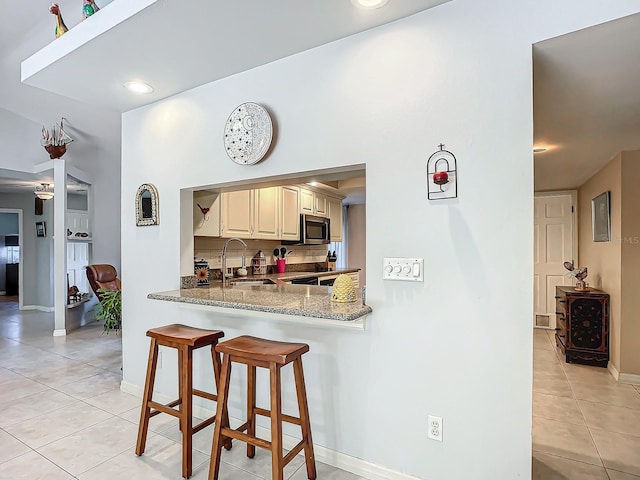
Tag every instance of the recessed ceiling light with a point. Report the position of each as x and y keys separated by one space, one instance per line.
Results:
x=369 y=4
x=138 y=87
x=539 y=149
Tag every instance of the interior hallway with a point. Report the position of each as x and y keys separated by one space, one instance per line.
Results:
x=585 y=425
x=63 y=416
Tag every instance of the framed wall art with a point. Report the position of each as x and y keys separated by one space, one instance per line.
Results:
x=41 y=229
x=601 y=217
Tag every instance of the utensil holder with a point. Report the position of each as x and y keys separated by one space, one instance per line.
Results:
x=281 y=264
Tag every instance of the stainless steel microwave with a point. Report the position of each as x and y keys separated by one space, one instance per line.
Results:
x=313 y=231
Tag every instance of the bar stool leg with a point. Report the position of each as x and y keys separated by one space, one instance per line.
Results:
x=221 y=412
x=305 y=424
x=186 y=373
x=180 y=385
x=276 y=423
x=216 y=375
x=251 y=405
x=148 y=393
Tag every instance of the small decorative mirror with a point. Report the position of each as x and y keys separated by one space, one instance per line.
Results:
x=147 y=205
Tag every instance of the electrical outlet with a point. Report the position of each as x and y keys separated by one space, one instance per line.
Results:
x=435 y=428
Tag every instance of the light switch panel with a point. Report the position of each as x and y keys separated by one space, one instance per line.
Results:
x=404 y=269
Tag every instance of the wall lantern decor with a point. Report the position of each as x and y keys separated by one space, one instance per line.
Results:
x=442 y=177
x=147 y=206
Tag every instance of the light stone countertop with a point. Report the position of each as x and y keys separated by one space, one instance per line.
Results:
x=299 y=300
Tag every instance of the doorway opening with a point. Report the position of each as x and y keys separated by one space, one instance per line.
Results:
x=10 y=256
x=586 y=143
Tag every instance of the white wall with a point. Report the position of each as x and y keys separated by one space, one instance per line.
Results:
x=459 y=345
x=104 y=168
x=19 y=155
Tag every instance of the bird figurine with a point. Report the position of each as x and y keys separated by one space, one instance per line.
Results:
x=578 y=273
x=61 y=28
x=204 y=210
x=89 y=7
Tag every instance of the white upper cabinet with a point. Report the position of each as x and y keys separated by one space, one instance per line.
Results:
x=334 y=207
x=236 y=214
x=320 y=205
x=289 y=213
x=266 y=213
x=251 y=214
x=307 y=201
x=313 y=203
x=271 y=213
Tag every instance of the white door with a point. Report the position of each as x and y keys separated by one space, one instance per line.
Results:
x=553 y=245
x=78 y=254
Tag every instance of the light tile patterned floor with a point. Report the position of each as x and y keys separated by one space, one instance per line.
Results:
x=585 y=424
x=63 y=416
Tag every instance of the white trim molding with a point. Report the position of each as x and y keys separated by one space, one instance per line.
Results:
x=339 y=460
x=60 y=333
x=40 y=308
x=613 y=371
x=630 y=378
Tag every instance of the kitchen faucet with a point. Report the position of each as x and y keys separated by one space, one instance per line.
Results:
x=224 y=256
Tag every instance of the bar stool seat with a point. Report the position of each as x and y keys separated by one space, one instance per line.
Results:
x=185 y=340
x=259 y=352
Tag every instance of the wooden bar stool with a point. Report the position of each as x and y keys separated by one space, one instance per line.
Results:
x=185 y=340
x=257 y=352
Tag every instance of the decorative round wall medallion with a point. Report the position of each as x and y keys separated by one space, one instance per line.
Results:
x=248 y=133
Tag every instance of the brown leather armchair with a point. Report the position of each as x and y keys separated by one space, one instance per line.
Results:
x=103 y=276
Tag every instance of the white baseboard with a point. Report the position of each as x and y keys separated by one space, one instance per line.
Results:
x=37 y=307
x=631 y=378
x=336 y=459
x=60 y=332
x=613 y=371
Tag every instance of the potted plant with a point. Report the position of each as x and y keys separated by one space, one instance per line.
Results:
x=110 y=309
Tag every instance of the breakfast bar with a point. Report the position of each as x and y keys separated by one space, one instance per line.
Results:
x=301 y=303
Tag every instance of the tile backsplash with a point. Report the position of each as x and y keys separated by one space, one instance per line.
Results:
x=210 y=249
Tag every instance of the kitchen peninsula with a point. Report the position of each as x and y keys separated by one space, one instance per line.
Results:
x=302 y=302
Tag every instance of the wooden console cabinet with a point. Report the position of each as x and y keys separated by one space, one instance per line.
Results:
x=582 y=331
